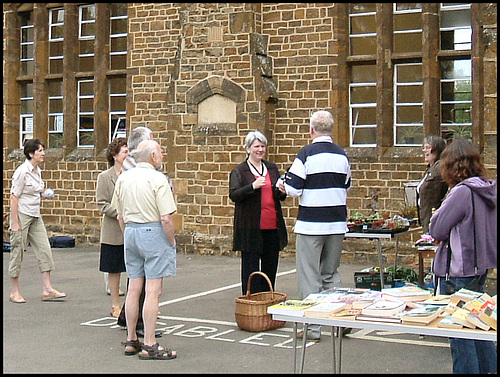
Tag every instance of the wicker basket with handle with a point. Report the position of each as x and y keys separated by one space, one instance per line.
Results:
x=251 y=309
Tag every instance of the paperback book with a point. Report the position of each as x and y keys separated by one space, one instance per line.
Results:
x=437 y=300
x=407 y=293
x=373 y=318
x=488 y=314
x=448 y=323
x=291 y=307
x=324 y=309
x=422 y=315
x=349 y=314
x=474 y=319
x=460 y=316
x=464 y=294
x=384 y=308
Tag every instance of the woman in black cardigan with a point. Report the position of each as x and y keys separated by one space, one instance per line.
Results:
x=259 y=228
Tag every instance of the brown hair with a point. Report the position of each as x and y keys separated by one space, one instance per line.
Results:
x=114 y=148
x=461 y=160
x=436 y=143
x=31 y=146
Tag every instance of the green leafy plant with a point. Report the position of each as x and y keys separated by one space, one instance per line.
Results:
x=404 y=273
x=357 y=216
x=408 y=211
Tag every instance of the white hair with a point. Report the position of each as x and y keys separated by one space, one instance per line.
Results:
x=144 y=150
x=137 y=135
x=252 y=136
x=322 y=122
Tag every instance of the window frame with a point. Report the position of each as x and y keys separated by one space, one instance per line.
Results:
x=82 y=113
x=386 y=59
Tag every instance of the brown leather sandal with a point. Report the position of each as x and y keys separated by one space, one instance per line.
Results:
x=136 y=346
x=154 y=353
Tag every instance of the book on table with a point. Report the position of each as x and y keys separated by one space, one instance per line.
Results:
x=291 y=307
x=437 y=300
x=324 y=309
x=448 y=323
x=378 y=318
x=464 y=294
x=452 y=306
x=473 y=318
x=422 y=315
x=346 y=314
x=337 y=294
x=488 y=314
x=384 y=308
x=360 y=301
x=460 y=316
x=407 y=293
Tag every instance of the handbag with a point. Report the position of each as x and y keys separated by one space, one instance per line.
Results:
x=475 y=284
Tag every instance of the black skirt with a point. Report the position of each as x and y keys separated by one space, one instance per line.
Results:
x=112 y=258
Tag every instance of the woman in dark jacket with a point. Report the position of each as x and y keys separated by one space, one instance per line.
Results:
x=259 y=228
x=432 y=188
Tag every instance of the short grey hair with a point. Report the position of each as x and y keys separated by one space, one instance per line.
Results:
x=144 y=150
x=137 y=135
x=322 y=122
x=252 y=136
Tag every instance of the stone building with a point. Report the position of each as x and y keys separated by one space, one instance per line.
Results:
x=201 y=75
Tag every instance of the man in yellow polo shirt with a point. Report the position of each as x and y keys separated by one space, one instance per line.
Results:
x=145 y=205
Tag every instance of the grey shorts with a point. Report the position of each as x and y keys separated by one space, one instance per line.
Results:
x=148 y=253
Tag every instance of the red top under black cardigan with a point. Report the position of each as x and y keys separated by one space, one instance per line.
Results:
x=247 y=236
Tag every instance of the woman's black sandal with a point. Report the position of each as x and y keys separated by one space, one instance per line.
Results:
x=153 y=353
x=136 y=344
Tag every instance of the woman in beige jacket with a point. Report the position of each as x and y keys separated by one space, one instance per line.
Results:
x=112 y=258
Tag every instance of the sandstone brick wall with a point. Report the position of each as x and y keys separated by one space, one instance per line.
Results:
x=277 y=62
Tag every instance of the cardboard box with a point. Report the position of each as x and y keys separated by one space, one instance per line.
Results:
x=371 y=280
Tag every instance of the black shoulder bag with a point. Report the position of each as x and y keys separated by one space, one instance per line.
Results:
x=474 y=284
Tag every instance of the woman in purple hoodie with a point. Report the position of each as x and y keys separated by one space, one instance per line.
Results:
x=472 y=230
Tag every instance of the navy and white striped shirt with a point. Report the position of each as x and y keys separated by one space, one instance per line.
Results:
x=320 y=177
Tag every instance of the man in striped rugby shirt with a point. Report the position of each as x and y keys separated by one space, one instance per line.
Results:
x=320 y=177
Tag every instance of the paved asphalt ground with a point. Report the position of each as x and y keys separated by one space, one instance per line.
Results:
x=77 y=335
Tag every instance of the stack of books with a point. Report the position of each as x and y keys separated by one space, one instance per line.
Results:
x=407 y=305
x=470 y=309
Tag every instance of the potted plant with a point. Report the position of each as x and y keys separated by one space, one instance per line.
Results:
x=357 y=219
x=403 y=275
x=375 y=219
x=408 y=211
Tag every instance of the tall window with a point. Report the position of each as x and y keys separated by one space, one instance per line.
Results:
x=407 y=27
x=43 y=97
x=56 y=40
x=56 y=115
x=26 y=112
x=86 y=113
x=456 y=97
x=118 y=36
x=117 y=110
x=27 y=43
x=456 y=74
x=363 y=104
x=86 y=36
x=408 y=95
x=363 y=29
x=386 y=61
x=456 y=31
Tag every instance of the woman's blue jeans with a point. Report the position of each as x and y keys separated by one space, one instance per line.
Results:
x=471 y=356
